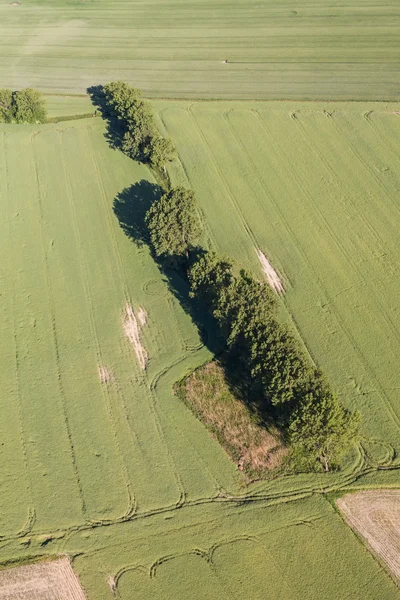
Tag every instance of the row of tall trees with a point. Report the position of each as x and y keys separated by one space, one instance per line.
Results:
x=266 y=350
x=141 y=140
x=267 y=353
x=23 y=106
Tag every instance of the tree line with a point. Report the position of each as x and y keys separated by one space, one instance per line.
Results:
x=266 y=351
x=23 y=106
x=140 y=140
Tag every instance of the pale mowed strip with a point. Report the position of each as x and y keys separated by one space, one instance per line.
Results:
x=375 y=515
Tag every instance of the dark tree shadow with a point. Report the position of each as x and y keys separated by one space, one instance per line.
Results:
x=115 y=128
x=130 y=207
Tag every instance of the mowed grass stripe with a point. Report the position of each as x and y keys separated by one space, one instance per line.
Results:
x=16 y=497
x=273 y=50
x=97 y=457
x=379 y=223
x=158 y=484
x=55 y=488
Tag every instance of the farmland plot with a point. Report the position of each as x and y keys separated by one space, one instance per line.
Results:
x=315 y=189
x=51 y=580
x=375 y=516
x=98 y=459
x=204 y=48
x=85 y=439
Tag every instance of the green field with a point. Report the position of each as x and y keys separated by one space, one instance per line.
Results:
x=120 y=474
x=315 y=187
x=275 y=50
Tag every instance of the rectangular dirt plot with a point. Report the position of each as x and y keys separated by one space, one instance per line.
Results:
x=53 y=580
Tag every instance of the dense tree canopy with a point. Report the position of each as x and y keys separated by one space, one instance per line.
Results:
x=321 y=428
x=140 y=140
x=273 y=358
x=24 y=106
x=173 y=223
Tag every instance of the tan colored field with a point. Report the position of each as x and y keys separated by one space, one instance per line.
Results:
x=375 y=515
x=53 y=580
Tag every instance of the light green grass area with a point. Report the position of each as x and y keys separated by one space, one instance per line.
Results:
x=275 y=50
x=121 y=475
x=316 y=188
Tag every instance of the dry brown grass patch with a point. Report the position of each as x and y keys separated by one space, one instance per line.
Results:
x=255 y=449
x=133 y=332
x=273 y=279
x=104 y=374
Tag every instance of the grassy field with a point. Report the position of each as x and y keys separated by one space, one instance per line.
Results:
x=309 y=50
x=315 y=187
x=98 y=457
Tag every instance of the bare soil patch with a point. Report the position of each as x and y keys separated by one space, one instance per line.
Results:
x=53 y=580
x=272 y=276
x=253 y=447
x=142 y=316
x=375 y=516
x=133 y=333
x=104 y=374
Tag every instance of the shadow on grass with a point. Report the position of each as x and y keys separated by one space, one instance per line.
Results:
x=130 y=207
x=115 y=129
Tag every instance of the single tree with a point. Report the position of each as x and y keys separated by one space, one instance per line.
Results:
x=172 y=223
x=321 y=427
x=158 y=151
x=29 y=106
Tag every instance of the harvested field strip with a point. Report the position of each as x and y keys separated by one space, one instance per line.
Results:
x=375 y=516
x=229 y=49
x=317 y=185
x=43 y=581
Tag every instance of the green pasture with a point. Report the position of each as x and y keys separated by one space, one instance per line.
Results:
x=121 y=475
x=274 y=50
x=316 y=188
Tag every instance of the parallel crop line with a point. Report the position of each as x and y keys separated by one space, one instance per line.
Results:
x=55 y=337
x=17 y=386
x=89 y=304
x=143 y=377
x=346 y=333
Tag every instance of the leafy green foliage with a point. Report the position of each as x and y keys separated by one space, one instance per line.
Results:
x=159 y=150
x=320 y=427
x=245 y=309
x=6 y=108
x=140 y=139
x=172 y=223
x=24 y=106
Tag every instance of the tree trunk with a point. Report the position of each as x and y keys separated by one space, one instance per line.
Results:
x=325 y=463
